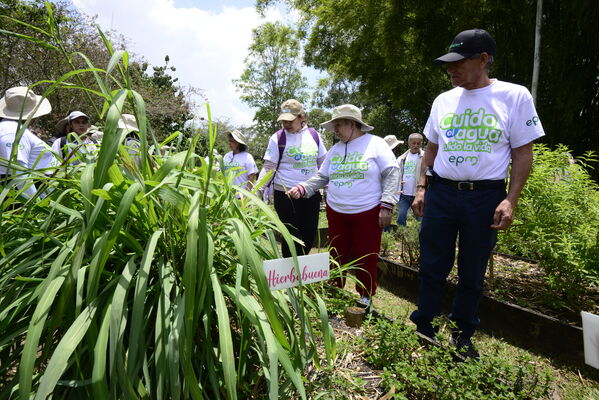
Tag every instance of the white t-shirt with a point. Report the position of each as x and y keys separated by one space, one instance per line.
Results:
x=299 y=161
x=355 y=181
x=86 y=149
x=409 y=172
x=32 y=153
x=242 y=164
x=476 y=130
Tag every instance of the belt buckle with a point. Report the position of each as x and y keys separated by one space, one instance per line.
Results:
x=465 y=185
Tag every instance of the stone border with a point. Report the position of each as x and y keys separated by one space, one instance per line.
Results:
x=521 y=326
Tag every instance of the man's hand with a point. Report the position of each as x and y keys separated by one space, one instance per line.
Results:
x=385 y=215
x=294 y=193
x=504 y=215
x=418 y=203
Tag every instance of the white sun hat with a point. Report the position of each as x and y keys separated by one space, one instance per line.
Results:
x=346 y=111
x=20 y=103
x=238 y=136
x=60 y=125
x=128 y=123
x=392 y=141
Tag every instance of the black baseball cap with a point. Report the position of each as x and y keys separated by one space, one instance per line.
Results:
x=466 y=44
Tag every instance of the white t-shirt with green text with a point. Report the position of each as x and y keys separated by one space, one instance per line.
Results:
x=355 y=180
x=32 y=152
x=242 y=164
x=477 y=129
x=409 y=170
x=299 y=160
x=77 y=150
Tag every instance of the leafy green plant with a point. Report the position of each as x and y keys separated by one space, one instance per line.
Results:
x=144 y=279
x=409 y=244
x=557 y=223
x=417 y=372
x=387 y=242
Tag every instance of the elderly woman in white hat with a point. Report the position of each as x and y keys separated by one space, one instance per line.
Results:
x=18 y=105
x=363 y=177
x=239 y=161
x=295 y=153
x=74 y=140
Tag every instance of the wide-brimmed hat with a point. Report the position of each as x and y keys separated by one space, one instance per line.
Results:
x=466 y=44
x=290 y=110
x=346 y=111
x=60 y=125
x=128 y=123
x=238 y=136
x=20 y=103
x=392 y=141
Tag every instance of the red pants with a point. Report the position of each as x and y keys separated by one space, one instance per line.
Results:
x=353 y=236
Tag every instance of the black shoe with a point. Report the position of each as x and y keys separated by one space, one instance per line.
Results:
x=464 y=346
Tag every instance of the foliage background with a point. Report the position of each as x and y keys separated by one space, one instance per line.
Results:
x=24 y=62
x=379 y=55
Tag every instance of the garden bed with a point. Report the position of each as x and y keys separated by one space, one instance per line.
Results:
x=385 y=359
x=521 y=281
x=523 y=326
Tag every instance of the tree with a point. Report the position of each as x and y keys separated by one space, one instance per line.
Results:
x=271 y=75
x=23 y=63
x=167 y=103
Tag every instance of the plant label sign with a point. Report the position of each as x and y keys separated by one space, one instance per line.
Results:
x=281 y=273
x=590 y=331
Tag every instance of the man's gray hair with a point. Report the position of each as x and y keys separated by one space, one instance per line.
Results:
x=415 y=136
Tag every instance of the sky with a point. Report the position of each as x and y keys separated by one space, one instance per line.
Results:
x=206 y=41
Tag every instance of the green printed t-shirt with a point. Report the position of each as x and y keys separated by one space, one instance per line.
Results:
x=299 y=161
x=477 y=129
x=354 y=171
x=242 y=164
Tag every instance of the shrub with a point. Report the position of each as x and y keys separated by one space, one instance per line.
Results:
x=557 y=222
x=409 y=244
x=387 y=241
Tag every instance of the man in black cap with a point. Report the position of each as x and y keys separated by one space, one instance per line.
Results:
x=474 y=130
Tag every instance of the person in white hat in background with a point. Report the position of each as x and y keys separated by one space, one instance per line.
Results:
x=295 y=153
x=18 y=105
x=74 y=141
x=128 y=124
x=410 y=164
x=363 y=177
x=238 y=161
x=392 y=141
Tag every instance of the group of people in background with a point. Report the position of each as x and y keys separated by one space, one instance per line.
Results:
x=74 y=140
x=456 y=188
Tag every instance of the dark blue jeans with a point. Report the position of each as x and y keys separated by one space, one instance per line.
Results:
x=403 y=206
x=449 y=215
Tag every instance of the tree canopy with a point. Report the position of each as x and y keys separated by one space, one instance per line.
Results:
x=23 y=63
x=387 y=48
x=272 y=74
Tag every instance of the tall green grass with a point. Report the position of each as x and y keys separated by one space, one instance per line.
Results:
x=144 y=279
